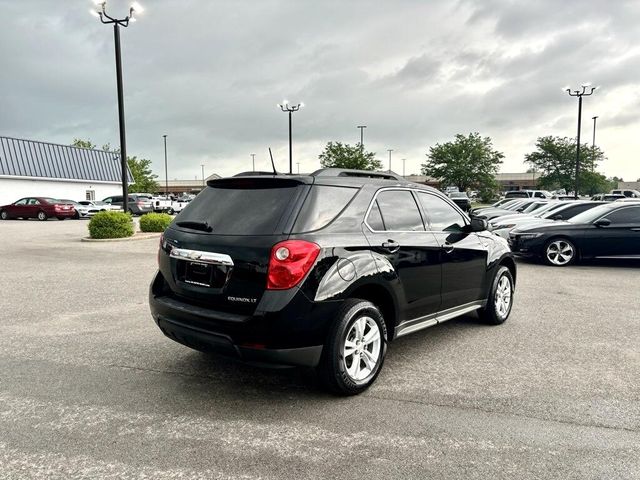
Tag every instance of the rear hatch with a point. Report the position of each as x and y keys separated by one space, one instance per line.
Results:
x=216 y=252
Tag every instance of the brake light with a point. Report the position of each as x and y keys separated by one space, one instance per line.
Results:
x=289 y=262
x=140 y=204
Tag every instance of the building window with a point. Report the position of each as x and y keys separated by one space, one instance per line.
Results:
x=90 y=195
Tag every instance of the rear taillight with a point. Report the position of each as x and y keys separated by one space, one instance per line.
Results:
x=140 y=204
x=289 y=262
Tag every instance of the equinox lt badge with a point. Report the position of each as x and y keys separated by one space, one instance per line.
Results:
x=242 y=299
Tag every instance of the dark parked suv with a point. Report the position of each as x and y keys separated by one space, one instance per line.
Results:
x=324 y=270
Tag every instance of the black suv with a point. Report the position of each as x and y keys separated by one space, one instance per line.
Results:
x=324 y=270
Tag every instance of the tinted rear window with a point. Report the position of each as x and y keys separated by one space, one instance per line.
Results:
x=322 y=205
x=248 y=208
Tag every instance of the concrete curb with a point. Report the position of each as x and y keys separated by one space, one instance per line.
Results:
x=136 y=236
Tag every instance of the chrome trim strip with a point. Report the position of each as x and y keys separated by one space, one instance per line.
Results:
x=203 y=257
x=432 y=319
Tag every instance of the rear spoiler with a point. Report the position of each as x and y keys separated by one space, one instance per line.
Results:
x=253 y=181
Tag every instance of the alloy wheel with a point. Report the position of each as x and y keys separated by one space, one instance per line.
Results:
x=361 y=350
x=503 y=295
x=560 y=252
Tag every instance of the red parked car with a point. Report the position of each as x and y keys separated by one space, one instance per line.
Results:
x=37 y=207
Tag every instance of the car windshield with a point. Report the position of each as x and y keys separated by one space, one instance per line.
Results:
x=591 y=214
x=52 y=200
x=533 y=207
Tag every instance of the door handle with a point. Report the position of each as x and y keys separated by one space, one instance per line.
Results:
x=391 y=246
x=447 y=247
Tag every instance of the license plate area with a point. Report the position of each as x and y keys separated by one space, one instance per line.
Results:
x=201 y=274
x=197 y=273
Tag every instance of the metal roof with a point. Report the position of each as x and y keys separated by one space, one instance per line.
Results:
x=30 y=158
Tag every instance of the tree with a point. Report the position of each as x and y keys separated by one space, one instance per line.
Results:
x=343 y=155
x=555 y=158
x=143 y=177
x=467 y=162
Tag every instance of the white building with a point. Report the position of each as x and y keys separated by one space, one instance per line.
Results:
x=31 y=168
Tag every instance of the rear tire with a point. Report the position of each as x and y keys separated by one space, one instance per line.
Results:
x=500 y=298
x=41 y=216
x=354 y=351
x=4 y=215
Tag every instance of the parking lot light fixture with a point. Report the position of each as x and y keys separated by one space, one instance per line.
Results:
x=584 y=91
x=285 y=106
x=390 y=150
x=362 y=127
x=105 y=18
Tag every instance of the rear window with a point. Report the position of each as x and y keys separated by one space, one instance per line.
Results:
x=322 y=205
x=241 y=208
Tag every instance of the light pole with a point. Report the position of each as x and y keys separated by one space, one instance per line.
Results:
x=202 y=165
x=166 y=170
x=101 y=13
x=362 y=127
x=253 y=161
x=298 y=164
x=390 y=150
x=579 y=93
x=286 y=107
x=594 y=130
x=403 y=163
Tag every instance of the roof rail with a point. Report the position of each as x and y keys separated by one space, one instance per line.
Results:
x=344 y=172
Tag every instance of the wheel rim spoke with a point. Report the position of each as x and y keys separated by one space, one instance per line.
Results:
x=361 y=349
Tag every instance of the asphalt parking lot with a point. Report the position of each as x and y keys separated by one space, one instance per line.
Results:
x=90 y=388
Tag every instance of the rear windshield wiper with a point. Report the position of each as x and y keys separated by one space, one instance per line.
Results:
x=195 y=225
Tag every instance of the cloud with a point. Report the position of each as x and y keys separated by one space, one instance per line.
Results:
x=209 y=74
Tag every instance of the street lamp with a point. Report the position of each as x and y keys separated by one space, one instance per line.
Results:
x=362 y=127
x=166 y=170
x=586 y=90
x=202 y=165
x=390 y=150
x=298 y=164
x=285 y=106
x=403 y=163
x=594 y=130
x=253 y=161
x=101 y=13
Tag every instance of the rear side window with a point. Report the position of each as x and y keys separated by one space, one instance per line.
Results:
x=398 y=211
x=322 y=205
x=625 y=215
x=442 y=216
x=241 y=208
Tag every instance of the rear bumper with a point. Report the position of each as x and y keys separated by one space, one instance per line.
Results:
x=207 y=341
x=293 y=333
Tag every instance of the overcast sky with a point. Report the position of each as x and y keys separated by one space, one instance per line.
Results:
x=210 y=73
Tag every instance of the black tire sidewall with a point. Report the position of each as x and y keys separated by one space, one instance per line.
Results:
x=546 y=246
x=41 y=216
x=4 y=215
x=333 y=367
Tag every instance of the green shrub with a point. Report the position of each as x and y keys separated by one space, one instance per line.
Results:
x=111 y=225
x=155 y=222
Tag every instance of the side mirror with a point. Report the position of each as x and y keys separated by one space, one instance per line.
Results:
x=557 y=217
x=478 y=224
x=603 y=222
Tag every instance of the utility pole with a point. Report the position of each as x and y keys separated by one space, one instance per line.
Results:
x=166 y=170
x=286 y=107
x=253 y=161
x=403 y=164
x=594 y=131
x=390 y=150
x=362 y=127
x=579 y=94
x=101 y=13
x=202 y=176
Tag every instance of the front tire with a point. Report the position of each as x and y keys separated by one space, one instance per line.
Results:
x=4 y=215
x=354 y=351
x=500 y=298
x=42 y=216
x=559 y=252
